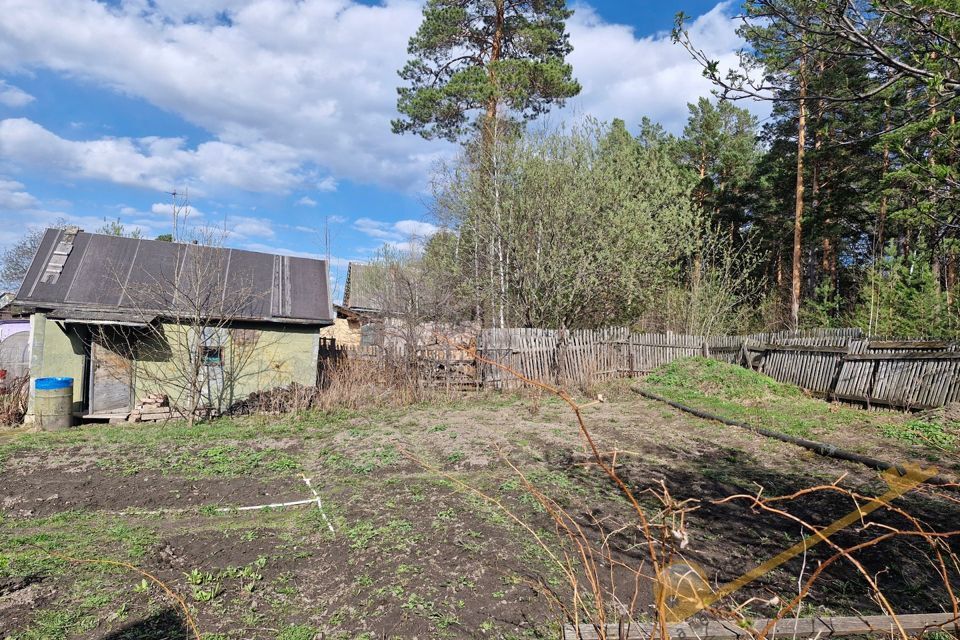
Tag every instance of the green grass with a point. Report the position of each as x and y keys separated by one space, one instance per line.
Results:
x=152 y=437
x=933 y=432
x=223 y=460
x=740 y=394
x=297 y=632
x=719 y=379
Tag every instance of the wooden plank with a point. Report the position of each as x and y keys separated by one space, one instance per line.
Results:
x=869 y=399
x=937 y=355
x=795 y=629
x=909 y=344
x=111 y=377
x=799 y=347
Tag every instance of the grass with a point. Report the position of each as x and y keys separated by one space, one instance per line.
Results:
x=298 y=632
x=223 y=460
x=940 y=434
x=741 y=394
x=150 y=438
x=720 y=380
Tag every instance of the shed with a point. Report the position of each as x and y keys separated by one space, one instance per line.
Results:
x=127 y=317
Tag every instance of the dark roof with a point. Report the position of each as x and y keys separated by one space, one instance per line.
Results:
x=360 y=289
x=75 y=275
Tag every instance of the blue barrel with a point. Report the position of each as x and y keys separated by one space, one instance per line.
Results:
x=53 y=403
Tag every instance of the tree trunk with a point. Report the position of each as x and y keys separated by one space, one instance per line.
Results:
x=489 y=153
x=951 y=278
x=798 y=209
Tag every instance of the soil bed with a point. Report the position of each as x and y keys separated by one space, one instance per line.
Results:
x=413 y=555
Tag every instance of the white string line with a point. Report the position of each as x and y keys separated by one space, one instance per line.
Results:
x=319 y=502
x=275 y=505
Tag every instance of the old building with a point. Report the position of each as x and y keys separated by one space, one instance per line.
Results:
x=358 y=318
x=203 y=326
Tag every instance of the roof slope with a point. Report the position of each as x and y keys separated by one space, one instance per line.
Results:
x=75 y=273
x=360 y=290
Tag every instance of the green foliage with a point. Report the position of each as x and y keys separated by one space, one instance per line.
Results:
x=117 y=228
x=736 y=393
x=719 y=379
x=592 y=225
x=484 y=55
x=901 y=298
x=880 y=156
x=740 y=394
x=720 y=145
x=219 y=460
x=823 y=308
x=395 y=535
x=298 y=632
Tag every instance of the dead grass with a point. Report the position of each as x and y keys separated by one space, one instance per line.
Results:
x=13 y=401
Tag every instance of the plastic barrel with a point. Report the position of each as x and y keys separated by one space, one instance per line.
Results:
x=54 y=403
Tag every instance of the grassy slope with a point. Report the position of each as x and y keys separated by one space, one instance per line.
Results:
x=734 y=392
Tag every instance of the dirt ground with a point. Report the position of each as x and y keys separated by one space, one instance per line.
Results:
x=412 y=554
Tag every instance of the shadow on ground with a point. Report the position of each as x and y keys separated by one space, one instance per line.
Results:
x=729 y=539
x=164 y=625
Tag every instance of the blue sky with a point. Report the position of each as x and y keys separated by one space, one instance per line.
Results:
x=276 y=120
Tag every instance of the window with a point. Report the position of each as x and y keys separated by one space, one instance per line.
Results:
x=213 y=356
x=369 y=335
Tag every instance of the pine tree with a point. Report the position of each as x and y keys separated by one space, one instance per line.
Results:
x=494 y=58
x=720 y=145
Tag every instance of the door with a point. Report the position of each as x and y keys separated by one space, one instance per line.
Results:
x=111 y=378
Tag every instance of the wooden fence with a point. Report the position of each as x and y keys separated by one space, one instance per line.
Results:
x=834 y=363
x=907 y=374
x=437 y=365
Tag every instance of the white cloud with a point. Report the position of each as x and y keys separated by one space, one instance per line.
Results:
x=153 y=162
x=327 y=184
x=307 y=202
x=315 y=79
x=415 y=229
x=14 y=197
x=292 y=91
x=335 y=219
x=628 y=77
x=373 y=228
x=284 y=251
x=248 y=227
x=11 y=96
x=398 y=234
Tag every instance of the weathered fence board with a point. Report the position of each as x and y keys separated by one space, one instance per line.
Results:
x=793 y=628
x=835 y=363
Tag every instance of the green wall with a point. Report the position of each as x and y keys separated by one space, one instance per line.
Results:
x=63 y=356
x=256 y=356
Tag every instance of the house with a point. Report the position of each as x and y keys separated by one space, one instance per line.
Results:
x=393 y=306
x=357 y=316
x=204 y=326
x=361 y=290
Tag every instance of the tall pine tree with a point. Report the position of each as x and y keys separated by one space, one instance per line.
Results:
x=498 y=59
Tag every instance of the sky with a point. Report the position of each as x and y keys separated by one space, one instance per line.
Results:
x=274 y=115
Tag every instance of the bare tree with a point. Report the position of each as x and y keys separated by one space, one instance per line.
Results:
x=15 y=261
x=202 y=345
